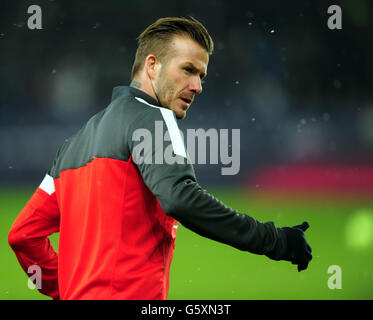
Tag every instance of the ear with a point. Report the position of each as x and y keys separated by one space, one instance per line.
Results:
x=152 y=66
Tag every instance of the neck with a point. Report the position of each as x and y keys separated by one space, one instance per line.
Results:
x=145 y=86
x=135 y=84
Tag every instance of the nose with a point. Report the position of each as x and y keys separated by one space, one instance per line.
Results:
x=196 y=85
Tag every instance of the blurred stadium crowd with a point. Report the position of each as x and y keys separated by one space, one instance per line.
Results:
x=298 y=91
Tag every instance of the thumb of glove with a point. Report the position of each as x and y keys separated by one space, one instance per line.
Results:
x=304 y=226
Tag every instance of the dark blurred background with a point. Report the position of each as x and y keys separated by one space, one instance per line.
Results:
x=298 y=91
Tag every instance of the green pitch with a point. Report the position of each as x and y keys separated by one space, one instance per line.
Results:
x=340 y=233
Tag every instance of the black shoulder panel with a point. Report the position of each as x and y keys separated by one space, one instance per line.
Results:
x=104 y=135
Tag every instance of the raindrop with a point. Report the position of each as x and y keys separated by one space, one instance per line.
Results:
x=252 y=119
x=237 y=82
x=10 y=167
x=54 y=71
x=272 y=31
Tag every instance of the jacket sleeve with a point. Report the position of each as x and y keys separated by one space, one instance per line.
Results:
x=28 y=236
x=180 y=196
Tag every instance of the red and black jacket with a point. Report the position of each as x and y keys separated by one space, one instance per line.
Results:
x=117 y=213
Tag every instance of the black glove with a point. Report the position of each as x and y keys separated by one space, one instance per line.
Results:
x=297 y=250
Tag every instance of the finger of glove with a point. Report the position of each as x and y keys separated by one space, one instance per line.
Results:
x=302 y=266
x=304 y=226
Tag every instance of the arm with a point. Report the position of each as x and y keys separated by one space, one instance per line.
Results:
x=28 y=236
x=184 y=199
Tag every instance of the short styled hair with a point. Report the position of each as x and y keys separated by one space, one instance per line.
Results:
x=156 y=38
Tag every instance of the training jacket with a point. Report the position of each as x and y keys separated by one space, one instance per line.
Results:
x=116 y=206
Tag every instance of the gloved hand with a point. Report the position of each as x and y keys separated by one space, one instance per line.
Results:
x=297 y=250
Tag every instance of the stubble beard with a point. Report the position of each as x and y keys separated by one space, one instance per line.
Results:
x=165 y=92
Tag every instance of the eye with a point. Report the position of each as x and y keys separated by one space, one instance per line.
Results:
x=188 y=69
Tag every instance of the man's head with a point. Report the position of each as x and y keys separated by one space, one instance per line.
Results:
x=171 y=61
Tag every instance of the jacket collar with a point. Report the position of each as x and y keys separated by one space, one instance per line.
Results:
x=131 y=91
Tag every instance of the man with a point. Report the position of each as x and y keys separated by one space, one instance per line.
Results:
x=116 y=207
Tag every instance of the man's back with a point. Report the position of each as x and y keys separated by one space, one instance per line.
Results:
x=115 y=240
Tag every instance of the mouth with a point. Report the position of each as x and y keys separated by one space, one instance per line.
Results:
x=187 y=101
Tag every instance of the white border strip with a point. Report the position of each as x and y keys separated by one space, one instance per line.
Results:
x=172 y=127
x=47 y=184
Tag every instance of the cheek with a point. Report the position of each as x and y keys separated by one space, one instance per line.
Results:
x=181 y=84
x=172 y=89
x=172 y=84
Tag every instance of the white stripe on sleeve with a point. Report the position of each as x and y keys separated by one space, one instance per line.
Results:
x=47 y=184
